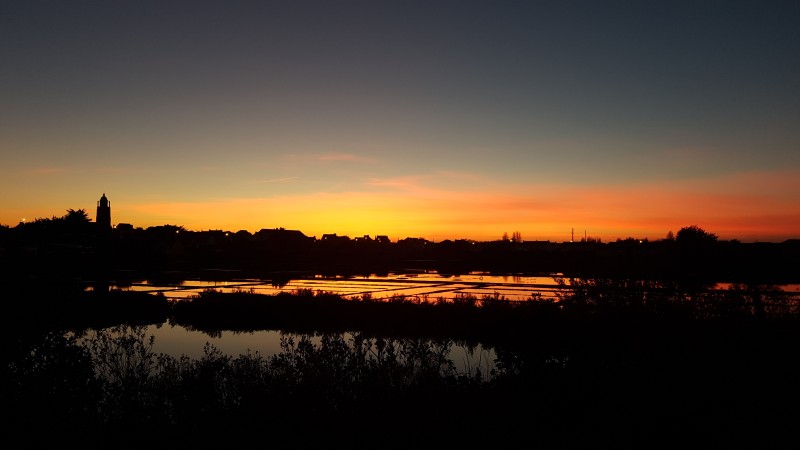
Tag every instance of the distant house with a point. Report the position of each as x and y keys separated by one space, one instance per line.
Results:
x=280 y=237
x=333 y=238
x=123 y=229
x=366 y=239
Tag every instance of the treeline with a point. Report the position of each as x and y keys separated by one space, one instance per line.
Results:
x=71 y=245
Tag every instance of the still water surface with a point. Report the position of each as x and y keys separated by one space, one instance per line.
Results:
x=424 y=285
x=177 y=341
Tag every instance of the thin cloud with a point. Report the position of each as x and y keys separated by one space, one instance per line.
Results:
x=441 y=182
x=275 y=180
x=402 y=183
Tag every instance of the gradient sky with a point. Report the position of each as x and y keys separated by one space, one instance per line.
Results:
x=434 y=119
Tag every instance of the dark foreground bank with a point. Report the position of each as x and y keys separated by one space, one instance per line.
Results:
x=608 y=366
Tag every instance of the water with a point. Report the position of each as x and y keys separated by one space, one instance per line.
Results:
x=422 y=285
x=430 y=285
x=177 y=341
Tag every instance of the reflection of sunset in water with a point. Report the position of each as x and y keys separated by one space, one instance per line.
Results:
x=423 y=286
x=178 y=341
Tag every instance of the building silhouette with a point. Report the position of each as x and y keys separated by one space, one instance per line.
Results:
x=103 y=217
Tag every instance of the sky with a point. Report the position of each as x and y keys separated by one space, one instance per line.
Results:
x=433 y=119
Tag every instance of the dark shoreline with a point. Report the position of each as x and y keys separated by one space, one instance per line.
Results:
x=77 y=250
x=600 y=375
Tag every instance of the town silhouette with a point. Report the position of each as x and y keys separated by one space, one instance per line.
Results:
x=637 y=349
x=75 y=245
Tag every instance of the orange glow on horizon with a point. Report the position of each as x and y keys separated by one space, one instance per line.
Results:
x=743 y=207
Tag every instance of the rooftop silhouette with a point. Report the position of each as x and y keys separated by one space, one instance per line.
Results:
x=74 y=244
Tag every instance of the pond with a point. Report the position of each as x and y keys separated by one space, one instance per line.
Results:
x=177 y=341
x=426 y=285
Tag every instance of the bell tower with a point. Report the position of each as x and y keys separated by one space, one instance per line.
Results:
x=103 y=217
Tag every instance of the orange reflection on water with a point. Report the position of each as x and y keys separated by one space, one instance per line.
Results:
x=424 y=286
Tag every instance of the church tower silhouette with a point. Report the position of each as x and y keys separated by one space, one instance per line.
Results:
x=103 y=218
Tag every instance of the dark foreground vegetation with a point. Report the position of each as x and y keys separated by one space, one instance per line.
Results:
x=608 y=364
x=635 y=352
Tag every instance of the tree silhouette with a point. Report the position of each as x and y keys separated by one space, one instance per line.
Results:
x=694 y=235
x=76 y=216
